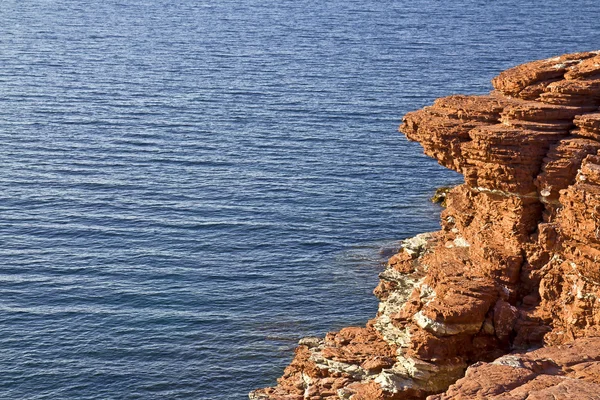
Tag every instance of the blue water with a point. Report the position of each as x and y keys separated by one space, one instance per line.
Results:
x=188 y=187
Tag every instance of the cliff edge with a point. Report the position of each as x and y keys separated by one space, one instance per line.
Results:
x=514 y=268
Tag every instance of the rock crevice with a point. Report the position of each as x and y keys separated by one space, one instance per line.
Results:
x=514 y=267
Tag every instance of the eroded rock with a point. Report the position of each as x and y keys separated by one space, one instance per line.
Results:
x=559 y=372
x=515 y=266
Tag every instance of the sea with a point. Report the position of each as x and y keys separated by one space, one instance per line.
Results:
x=188 y=187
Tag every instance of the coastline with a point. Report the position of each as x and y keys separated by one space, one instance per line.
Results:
x=513 y=267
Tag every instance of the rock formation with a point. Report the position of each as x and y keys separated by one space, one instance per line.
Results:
x=561 y=372
x=513 y=268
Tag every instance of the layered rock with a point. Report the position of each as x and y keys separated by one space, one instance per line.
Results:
x=515 y=265
x=559 y=372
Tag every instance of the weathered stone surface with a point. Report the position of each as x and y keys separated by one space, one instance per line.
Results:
x=586 y=69
x=588 y=125
x=561 y=164
x=562 y=372
x=515 y=266
x=514 y=81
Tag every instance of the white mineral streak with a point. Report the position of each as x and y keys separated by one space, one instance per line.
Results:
x=461 y=242
x=509 y=360
x=393 y=381
x=307 y=382
x=353 y=370
x=546 y=191
x=429 y=376
x=311 y=341
x=417 y=245
x=407 y=373
x=443 y=329
x=391 y=333
x=504 y=193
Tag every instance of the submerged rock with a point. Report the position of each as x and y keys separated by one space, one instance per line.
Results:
x=514 y=267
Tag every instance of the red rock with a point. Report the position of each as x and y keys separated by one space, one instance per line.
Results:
x=374 y=364
x=588 y=68
x=588 y=125
x=513 y=81
x=563 y=372
x=516 y=264
x=505 y=317
x=561 y=164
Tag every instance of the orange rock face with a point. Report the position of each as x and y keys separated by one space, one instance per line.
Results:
x=516 y=265
x=560 y=372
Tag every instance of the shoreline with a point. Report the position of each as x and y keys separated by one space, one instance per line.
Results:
x=498 y=278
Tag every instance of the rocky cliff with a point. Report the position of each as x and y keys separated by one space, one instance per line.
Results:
x=514 y=267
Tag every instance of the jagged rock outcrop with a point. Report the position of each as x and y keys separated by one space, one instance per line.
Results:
x=514 y=267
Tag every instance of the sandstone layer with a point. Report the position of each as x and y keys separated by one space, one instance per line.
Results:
x=560 y=372
x=514 y=267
